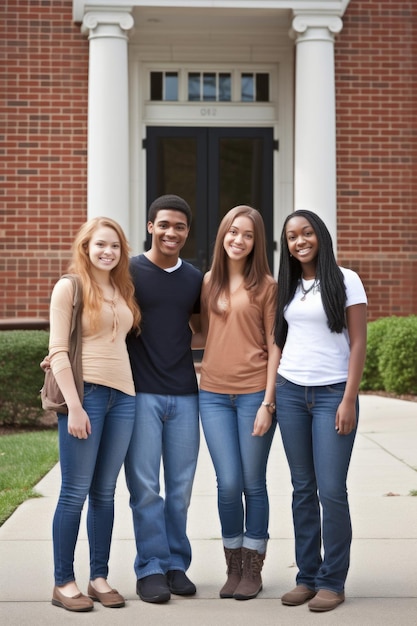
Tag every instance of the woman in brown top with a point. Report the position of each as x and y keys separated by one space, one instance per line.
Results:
x=95 y=435
x=237 y=391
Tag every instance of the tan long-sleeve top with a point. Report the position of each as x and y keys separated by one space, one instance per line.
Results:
x=234 y=359
x=105 y=359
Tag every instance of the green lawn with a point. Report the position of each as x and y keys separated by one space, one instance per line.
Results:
x=24 y=459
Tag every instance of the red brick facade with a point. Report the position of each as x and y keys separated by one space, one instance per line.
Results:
x=376 y=121
x=43 y=129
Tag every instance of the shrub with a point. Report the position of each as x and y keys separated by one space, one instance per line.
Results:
x=377 y=331
x=398 y=362
x=391 y=364
x=21 y=378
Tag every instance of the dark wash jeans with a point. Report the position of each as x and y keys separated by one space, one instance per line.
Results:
x=91 y=467
x=319 y=461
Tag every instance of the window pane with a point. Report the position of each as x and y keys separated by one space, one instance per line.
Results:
x=193 y=86
x=177 y=169
x=240 y=170
x=225 y=87
x=156 y=85
x=247 y=88
x=209 y=87
x=262 y=87
x=171 y=86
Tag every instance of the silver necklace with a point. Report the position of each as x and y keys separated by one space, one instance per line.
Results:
x=315 y=287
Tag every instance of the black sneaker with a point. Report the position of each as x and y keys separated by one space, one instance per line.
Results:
x=153 y=588
x=179 y=583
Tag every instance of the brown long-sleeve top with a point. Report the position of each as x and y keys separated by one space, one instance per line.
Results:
x=105 y=359
x=234 y=357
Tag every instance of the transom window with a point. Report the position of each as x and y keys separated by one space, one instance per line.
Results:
x=255 y=87
x=164 y=86
x=210 y=86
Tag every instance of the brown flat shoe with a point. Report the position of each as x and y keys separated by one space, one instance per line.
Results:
x=110 y=599
x=77 y=603
x=297 y=596
x=326 y=600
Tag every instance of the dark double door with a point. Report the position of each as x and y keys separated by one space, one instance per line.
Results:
x=213 y=169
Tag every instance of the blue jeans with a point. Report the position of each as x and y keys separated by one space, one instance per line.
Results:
x=240 y=461
x=91 y=467
x=319 y=461
x=166 y=428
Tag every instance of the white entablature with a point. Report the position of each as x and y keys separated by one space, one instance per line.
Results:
x=336 y=7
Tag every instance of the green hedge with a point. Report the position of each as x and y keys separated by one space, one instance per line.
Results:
x=391 y=360
x=21 y=378
x=391 y=365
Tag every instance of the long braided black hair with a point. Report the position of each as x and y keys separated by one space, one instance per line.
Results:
x=332 y=285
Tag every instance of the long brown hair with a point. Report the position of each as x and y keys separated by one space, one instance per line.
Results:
x=256 y=268
x=120 y=275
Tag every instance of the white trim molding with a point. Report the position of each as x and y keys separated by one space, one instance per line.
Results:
x=336 y=7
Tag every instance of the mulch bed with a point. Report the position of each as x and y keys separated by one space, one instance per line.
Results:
x=49 y=420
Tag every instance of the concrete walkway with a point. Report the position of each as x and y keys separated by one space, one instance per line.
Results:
x=382 y=584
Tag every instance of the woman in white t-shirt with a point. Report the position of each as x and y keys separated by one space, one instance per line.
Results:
x=321 y=331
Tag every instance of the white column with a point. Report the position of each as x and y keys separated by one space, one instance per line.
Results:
x=108 y=115
x=315 y=123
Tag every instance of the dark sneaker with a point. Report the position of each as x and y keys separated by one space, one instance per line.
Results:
x=179 y=583
x=153 y=588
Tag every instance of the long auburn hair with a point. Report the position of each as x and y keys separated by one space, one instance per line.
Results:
x=328 y=273
x=256 y=267
x=80 y=264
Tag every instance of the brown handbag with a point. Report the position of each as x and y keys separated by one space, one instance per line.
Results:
x=51 y=395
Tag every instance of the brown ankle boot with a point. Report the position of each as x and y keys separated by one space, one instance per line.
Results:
x=251 y=582
x=234 y=571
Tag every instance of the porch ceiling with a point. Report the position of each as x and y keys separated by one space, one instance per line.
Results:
x=162 y=24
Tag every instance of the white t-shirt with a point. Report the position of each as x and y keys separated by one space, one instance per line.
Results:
x=312 y=354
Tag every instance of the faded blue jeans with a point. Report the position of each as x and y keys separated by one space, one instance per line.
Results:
x=91 y=467
x=319 y=461
x=240 y=461
x=166 y=429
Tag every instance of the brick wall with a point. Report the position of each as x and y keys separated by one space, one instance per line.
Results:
x=43 y=153
x=376 y=92
x=43 y=128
